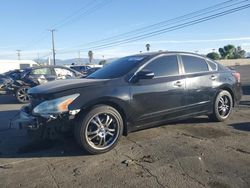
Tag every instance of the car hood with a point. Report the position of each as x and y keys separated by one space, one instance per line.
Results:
x=62 y=85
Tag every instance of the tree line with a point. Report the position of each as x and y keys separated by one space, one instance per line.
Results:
x=228 y=52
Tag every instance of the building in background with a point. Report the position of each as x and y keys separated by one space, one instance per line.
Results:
x=7 y=65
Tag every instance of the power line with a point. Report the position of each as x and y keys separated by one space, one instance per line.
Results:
x=89 y=9
x=168 y=29
x=180 y=26
x=216 y=7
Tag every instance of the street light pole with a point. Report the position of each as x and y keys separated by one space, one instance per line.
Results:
x=53 y=46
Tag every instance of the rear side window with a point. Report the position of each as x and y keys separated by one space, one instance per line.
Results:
x=164 y=66
x=212 y=65
x=194 y=64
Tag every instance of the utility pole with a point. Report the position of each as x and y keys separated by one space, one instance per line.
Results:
x=18 y=54
x=79 y=57
x=53 y=46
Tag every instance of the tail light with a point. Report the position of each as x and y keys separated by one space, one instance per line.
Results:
x=237 y=76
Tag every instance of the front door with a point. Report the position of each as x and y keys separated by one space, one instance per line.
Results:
x=161 y=98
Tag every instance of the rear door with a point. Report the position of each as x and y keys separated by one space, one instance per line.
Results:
x=200 y=83
x=161 y=98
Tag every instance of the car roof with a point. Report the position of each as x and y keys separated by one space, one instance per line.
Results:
x=167 y=52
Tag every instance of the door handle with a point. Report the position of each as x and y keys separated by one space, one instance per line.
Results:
x=213 y=77
x=178 y=83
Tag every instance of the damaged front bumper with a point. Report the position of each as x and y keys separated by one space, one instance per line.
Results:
x=25 y=120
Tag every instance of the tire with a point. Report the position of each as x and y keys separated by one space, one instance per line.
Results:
x=222 y=107
x=99 y=130
x=22 y=94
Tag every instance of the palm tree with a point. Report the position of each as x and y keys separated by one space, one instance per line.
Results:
x=90 y=54
x=148 y=47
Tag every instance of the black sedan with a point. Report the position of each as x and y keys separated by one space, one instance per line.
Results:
x=132 y=93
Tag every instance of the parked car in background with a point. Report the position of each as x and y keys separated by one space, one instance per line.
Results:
x=81 y=68
x=31 y=77
x=4 y=82
x=130 y=94
x=14 y=74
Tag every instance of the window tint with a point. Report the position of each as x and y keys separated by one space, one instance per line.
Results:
x=194 y=64
x=44 y=71
x=76 y=68
x=164 y=66
x=212 y=65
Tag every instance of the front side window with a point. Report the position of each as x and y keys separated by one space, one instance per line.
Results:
x=164 y=66
x=118 y=68
x=194 y=64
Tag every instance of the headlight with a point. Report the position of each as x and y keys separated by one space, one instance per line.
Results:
x=55 y=106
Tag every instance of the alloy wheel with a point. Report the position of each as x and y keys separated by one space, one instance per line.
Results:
x=102 y=131
x=22 y=95
x=224 y=106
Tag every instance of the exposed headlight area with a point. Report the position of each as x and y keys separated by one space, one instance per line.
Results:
x=55 y=106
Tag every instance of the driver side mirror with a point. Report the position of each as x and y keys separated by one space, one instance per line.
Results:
x=145 y=74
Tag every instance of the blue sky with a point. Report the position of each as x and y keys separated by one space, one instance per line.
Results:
x=25 y=24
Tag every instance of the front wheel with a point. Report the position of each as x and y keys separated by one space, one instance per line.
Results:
x=223 y=105
x=22 y=94
x=99 y=130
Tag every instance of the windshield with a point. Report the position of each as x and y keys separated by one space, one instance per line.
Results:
x=118 y=68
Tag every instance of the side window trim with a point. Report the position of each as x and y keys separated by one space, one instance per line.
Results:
x=193 y=55
x=210 y=66
x=52 y=71
x=156 y=57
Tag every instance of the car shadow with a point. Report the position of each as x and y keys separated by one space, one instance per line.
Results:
x=244 y=126
x=246 y=89
x=245 y=103
x=6 y=117
x=16 y=144
x=24 y=148
x=8 y=99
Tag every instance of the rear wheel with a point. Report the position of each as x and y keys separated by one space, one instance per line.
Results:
x=222 y=106
x=22 y=94
x=99 y=130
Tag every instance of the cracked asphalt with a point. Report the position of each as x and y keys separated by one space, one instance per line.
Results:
x=191 y=153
